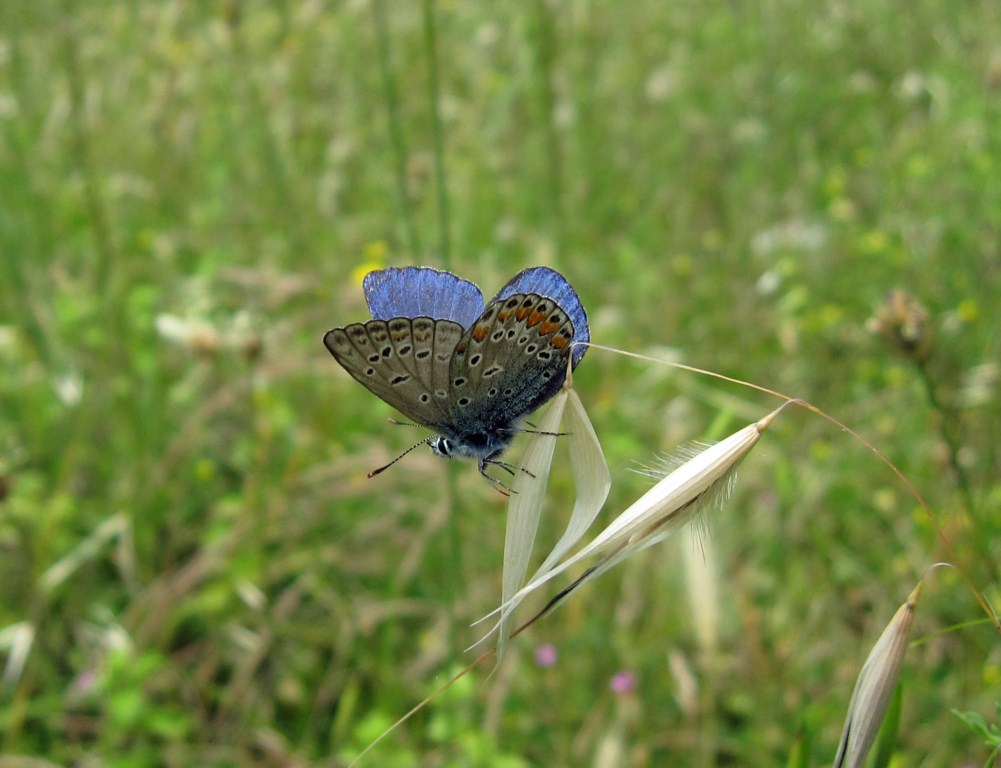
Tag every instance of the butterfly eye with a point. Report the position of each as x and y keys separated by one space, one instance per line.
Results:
x=440 y=446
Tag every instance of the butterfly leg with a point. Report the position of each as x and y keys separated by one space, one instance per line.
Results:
x=509 y=468
x=495 y=483
x=535 y=431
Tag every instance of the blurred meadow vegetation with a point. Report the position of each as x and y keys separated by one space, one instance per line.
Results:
x=194 y=569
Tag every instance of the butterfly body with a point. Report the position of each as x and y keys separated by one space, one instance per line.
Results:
x=471 y=373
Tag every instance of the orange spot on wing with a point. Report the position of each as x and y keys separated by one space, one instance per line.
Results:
x=480 y=332
x=548 y=328
x=523 y=312
x=536 y=318
x=559 y=341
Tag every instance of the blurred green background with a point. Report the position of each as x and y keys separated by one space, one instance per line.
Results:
x=194 y=569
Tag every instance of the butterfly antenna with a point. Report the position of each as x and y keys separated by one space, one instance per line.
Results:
x=383 y=468
x=399 y=423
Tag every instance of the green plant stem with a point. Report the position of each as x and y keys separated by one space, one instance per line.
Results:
x=455 y=578
x=83 y=155
x=545 y=55
x=441 y=186
x=437 y=133
x=255 y=128
x=395 y=126
x=947 y=418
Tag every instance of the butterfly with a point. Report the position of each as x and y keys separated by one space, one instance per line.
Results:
x=469 y=372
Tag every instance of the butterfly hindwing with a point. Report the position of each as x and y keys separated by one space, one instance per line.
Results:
x=551 y=284
x=509 y=362
x=422 y=292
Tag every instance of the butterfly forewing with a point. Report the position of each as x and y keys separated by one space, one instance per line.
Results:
x=446 y=336
x=401 y=362
x=511 y=360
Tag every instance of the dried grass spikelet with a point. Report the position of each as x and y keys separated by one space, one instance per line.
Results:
x=875 y=686
x=671 y=503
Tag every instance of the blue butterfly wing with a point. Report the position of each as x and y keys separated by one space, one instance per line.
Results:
x=422 y=292
x=547 y=282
